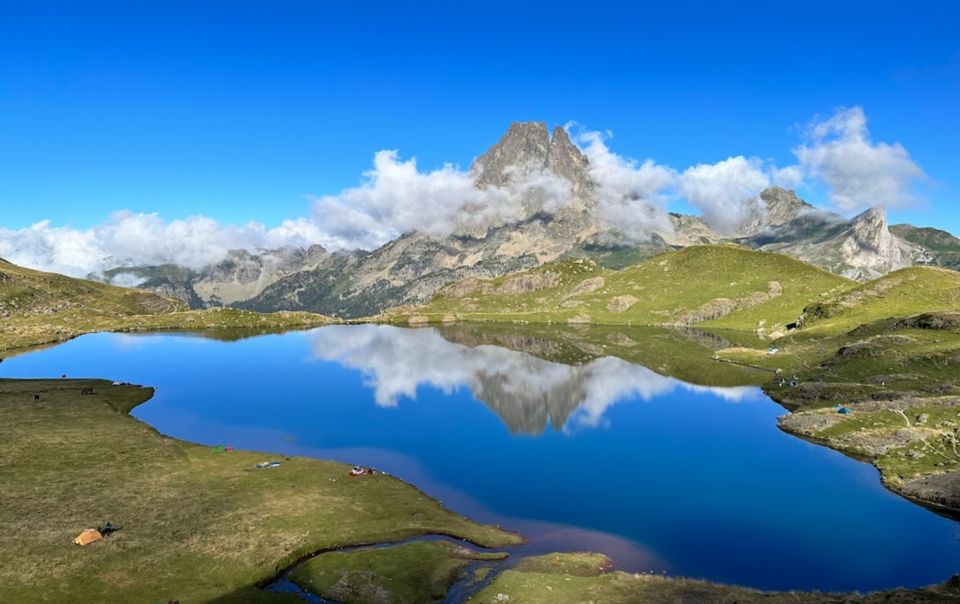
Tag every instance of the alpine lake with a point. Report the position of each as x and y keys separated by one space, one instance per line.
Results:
x=683 y=472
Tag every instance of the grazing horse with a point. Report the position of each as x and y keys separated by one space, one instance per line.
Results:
x=87 y=391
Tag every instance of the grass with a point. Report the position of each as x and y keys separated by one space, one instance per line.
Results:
x=581 y=577
x=944 y=247
x=39 y=308
x=208 y=527
x=196 y=525
x=579 y=564
x=721 y=286
x=902 y=293
x=410 y=573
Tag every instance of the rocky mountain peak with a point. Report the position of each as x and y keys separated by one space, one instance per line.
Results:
x=870 y=231
x=776 y=207
x=567 y=161
x=782 y=205
x=527 y=148
x=870 y=249
x=522 y=150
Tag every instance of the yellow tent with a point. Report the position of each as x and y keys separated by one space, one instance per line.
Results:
x=88 y=536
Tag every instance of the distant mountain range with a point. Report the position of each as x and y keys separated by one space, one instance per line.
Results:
x=413 y=267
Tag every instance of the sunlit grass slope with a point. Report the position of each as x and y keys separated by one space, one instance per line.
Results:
x=722 y=286
x=39 y=308
x=902 y=293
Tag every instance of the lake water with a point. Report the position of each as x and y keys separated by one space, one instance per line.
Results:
x=659 y=474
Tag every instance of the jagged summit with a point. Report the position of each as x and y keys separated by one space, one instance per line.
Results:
x=870 y=231
x=783 y=205
x=527 y=148
x=777 y=207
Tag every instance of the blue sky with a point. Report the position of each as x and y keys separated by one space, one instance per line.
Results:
x=241 y=110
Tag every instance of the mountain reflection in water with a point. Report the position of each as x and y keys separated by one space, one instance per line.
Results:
x=525 y=391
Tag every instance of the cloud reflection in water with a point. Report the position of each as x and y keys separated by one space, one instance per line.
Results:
x=526 y=392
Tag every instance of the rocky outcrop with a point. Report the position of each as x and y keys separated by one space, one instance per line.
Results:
x=587 y=286
x=862 y=248
x=721 y=307
x=239 y=277
x=935 y=490
x=621 y=303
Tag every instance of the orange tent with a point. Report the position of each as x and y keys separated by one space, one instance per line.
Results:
x=88 y=536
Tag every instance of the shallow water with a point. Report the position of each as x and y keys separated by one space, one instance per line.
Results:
x=660 y=474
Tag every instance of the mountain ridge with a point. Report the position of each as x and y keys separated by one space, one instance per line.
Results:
x=411 y=268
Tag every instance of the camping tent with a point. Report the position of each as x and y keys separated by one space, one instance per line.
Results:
x=88 y=536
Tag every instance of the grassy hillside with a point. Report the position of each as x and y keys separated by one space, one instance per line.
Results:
x=26 y=292
x=899 y=294
x=721 y=286
x=197 y=524
x=38 y=308
x=944 y=247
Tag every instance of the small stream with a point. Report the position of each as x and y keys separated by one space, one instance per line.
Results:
x=464 y=588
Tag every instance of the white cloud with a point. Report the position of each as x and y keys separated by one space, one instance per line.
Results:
x=857 y=171
x=790 y=177
x=396 y=198
x=128 y=239
x=725 y=192
x=631 y=195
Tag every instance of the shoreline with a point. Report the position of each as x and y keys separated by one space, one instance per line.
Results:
x=253 y=329
x=282 y=566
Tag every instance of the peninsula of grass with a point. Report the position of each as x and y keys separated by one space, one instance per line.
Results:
x=197 y=524
x=410 y=573
x=584 y=577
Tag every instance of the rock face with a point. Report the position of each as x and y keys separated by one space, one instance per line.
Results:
x=862 y=248
x=528 y=163
x=241 y=276
x=871 y=247
x=527 y=149
x=245 y=275
x=779 y=207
